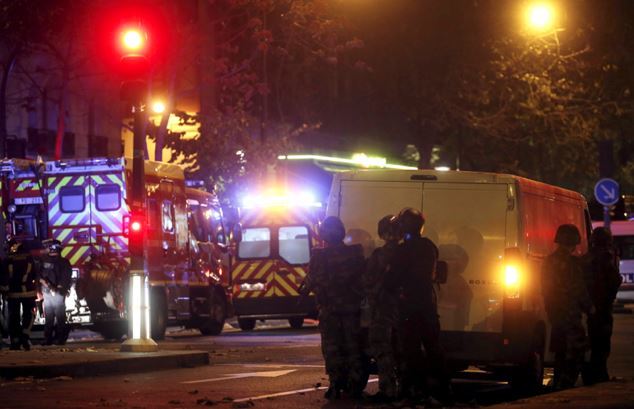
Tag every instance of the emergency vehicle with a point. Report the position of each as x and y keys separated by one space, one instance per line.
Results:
x=276 y=235
x=494 y=231
x=82 y=203
x=22 y=200
x=623 y=236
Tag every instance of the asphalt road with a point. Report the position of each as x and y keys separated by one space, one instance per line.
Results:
x=271 y=367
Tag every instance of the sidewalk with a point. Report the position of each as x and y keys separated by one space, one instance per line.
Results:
x=616 y=394
x=78 y=361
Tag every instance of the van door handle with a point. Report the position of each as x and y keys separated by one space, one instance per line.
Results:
x=81 y=235
x=283 y=272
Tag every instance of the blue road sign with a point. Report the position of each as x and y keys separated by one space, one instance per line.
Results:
x=606 y=191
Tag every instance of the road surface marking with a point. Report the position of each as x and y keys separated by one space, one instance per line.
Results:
x=287 y=393
x=265 y=374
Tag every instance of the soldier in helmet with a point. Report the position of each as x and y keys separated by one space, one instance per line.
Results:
x=415 y=265
x=565 y=299
x=383 y=296
x=55 y=279
x=18 y=282
x=334 y=275
x=601 y=268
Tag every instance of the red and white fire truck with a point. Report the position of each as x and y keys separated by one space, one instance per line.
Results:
x=21 y=199
x=277 y=234
x=86 y=209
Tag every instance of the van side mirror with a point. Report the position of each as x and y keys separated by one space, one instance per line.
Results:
x=441 y=272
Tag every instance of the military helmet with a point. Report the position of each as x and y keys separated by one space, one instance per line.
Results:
x=601 y=237
x=388 y=228
x=411 y=221
x=331 y=230
x=53 y=246
x=568 y=235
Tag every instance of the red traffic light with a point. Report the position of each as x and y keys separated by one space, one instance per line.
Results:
x=135 y=226
x=133 y=41
x=136 y=232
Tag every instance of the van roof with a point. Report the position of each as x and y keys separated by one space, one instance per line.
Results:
x=453 y=176
x=102 y=164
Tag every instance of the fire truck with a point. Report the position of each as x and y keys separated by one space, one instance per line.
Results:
x=21 y=199
x=85 y=207
x=276 y=235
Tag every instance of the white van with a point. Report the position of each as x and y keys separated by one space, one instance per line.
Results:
x=493 y=230
x=623 y=234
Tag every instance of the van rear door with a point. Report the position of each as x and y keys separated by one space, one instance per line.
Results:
x=363 y=203
x=107 y=210
x=467 y=221
x=69 y=214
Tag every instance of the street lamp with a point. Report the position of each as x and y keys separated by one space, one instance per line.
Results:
x=540 y=17
x=158 y=107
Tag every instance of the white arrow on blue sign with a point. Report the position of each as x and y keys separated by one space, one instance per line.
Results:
x=606 y=191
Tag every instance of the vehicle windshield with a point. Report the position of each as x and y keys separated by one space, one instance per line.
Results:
x=294 y=244
x=625 y=246
x=255 y=243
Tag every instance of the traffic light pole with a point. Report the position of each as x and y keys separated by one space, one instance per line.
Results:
x=139 y=338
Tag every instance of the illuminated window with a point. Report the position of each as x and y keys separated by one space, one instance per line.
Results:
x=256 y=243
x=108 y=197
x=72 y=199
x=294 y=244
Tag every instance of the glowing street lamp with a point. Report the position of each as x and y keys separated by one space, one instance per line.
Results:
x=540 y=17
x=158 y=107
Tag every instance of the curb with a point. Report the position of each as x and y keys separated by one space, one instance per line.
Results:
x=110 y=363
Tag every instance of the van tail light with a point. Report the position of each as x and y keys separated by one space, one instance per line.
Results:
x=513 y=275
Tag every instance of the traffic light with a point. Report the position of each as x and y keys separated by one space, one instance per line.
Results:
x=134 y=66
x=136 y=232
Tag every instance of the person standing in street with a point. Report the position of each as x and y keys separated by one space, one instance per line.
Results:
x=334 y=275
x=565 y=299
x=382 y=295
x=601 y=269
x=18 y=282
x=55 y=279
x=415 y=265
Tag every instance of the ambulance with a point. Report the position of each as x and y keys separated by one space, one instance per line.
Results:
x=494 y=231
x=88 y=211
x=276 y=234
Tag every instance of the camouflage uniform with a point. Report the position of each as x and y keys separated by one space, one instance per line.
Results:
x=334 y=276
x=565 y=298
x=383 y=301
x=601 y=267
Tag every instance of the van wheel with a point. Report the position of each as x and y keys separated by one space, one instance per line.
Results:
x=296 y=322
x=246 y=324
x=158 y=314
x=528 y=378
x=217 y=314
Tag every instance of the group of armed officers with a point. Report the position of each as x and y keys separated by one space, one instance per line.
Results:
x=397 y=282
x=573 y=286
x=29 y=269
